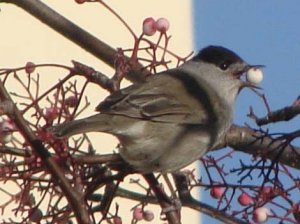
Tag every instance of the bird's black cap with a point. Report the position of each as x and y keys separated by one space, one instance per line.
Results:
x=217 y=55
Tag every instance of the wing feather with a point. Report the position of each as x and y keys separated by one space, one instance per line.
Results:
x=156 y=100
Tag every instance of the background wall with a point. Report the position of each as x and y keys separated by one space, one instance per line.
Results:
x=23 y=38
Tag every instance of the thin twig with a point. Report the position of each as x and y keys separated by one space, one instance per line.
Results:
x=71 y=194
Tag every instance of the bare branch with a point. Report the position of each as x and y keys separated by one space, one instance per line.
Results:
x=72 y=195
x=259 y=144
x=188 y=201
x=283 y=114
x=77 y=35
x=168 y=207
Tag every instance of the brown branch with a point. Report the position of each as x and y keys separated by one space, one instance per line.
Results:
x=259 y=144
x=188 y=201
x=14 y=151
x=283 y=114
x=93 y=76
x=77 y=35
x=168 y=208
x=98 y=159
x=74 y=197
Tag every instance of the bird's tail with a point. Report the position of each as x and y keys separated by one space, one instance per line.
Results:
x=97 y=123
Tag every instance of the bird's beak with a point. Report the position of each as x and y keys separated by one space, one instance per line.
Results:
x=254 y=66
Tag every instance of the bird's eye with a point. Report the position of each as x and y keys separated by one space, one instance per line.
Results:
x=224 y=65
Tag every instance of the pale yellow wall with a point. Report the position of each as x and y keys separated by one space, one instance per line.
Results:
x=23 y=39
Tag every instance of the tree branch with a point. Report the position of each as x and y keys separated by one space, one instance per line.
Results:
x=168 y=208
x=259 y=144
x=75 y=198
x=189 y=203
x=77 y=35
x=283 y=114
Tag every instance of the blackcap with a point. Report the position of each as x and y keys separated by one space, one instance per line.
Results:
x=174 y=117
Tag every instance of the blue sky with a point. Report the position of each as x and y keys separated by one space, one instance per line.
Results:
x=261 y=32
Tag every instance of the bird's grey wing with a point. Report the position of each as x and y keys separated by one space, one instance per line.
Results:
x=162 y=98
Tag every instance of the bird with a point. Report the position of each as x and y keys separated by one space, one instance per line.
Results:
x=175 y=116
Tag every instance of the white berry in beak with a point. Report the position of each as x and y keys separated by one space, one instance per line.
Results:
x=254 y=75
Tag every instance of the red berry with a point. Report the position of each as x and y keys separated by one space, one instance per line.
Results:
x=80 y=1
x=266 y=192
x=28 y=199
x=71 y=101
x=7 y=126
x=45 y=135
x=51 y=113
x=138 y=214
x=35 y=215
x=260 y=215
x=217 y=192
x=29 y=67
x=149 y=26
x=244 y=199
x=5 y=171
x=162 y=25
x=117 y=220
x=148 y=215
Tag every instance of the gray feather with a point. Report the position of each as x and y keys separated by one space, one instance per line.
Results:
x=98 y=122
